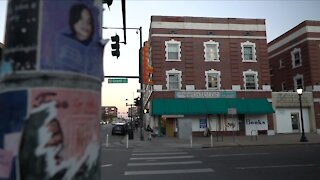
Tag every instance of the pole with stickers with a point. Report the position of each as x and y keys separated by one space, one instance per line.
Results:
x=50 y=90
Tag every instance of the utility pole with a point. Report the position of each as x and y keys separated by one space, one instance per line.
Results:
x=50 y=90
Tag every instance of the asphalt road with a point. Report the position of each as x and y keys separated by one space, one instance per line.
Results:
x=260 y=162
x=114 y=140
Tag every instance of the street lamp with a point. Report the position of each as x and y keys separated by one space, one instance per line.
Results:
x=303 y=136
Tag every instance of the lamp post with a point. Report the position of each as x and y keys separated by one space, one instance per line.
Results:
x=303 y=136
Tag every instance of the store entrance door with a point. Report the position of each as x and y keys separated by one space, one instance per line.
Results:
x=170 y=127
x=242 y=125
x=295 y=122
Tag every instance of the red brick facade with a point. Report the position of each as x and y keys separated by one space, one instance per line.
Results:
x=306 y=37
x=192 y=34
x=193 y=64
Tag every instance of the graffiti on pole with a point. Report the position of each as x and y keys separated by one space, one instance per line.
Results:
x=13 y=111
x=61 y=136
x=21 y=37
x=50 y=131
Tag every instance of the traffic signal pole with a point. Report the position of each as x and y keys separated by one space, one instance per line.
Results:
x=140 y=77
x=50 y=90
x=141 y=88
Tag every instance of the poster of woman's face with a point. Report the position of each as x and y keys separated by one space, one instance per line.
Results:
x=58 y=36
x=65 y=39
x=72 y=43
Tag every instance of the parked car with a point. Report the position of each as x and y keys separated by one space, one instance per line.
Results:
x=119 y=129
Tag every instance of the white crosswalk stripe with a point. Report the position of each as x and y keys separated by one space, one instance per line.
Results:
x=161 y=153
x=162 y=157
x=153 y=162
x=164 y=163
x=178 y=171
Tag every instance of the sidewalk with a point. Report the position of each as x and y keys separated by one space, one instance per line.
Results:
x=226 y=141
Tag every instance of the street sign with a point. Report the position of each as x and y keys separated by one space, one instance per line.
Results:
x=118 y=80
x=139 y=90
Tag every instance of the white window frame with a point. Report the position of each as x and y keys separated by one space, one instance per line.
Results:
x=174 y=42
x=293 y=52
x=174 y=71
x=218 y=73
x=254 y=56
x=216 y=51
x=295 y=79
x=250 y=72
x=281 y=64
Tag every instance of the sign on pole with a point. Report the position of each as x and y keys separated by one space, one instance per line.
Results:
x=118 y=80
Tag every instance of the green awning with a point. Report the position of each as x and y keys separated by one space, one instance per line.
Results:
x=202 y=106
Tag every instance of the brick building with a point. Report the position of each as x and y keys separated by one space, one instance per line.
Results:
x=109 y=112
x=209 y=73
x=295 y=63
x=294 y=58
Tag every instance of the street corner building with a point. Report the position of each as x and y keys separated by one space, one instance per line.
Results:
x=294 y=63
x=209 y=73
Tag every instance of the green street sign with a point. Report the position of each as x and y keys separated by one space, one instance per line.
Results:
x=118 y=80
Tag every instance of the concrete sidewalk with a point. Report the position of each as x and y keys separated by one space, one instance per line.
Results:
x=226 y=141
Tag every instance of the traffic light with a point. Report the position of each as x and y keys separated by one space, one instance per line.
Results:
x=116 y=46
x=137 y=101
x=146 y=110
x=147 y=69
x=109 y=2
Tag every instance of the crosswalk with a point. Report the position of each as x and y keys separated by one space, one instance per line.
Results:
x=163 y=161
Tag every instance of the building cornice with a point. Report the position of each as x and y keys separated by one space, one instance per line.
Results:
x=294 y=35
x=207 y=36
x=208 y=26
x=292 y=46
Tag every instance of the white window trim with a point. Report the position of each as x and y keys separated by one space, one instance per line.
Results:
x=295 y=78
x=295 y=50
x=172 y=41
x=212 y=71
x=217 y=50
x=281 y=64
x=254 y=56
x=173 y=71
x=248 y=72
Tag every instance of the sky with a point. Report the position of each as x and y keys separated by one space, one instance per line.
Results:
x=280 y=16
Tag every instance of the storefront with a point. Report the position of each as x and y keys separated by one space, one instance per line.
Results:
x=288 y=113
x=183 y=116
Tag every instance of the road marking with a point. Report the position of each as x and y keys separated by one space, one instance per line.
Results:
x=106 y=165
x=246 y=154
x=164 y=163
x=274 y=166
x=164 y=157
x=150 y=154
x=179 y=171
x=154 y=150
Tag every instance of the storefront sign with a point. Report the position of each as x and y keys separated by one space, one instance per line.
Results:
x=205 y=94
x=257 y=124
